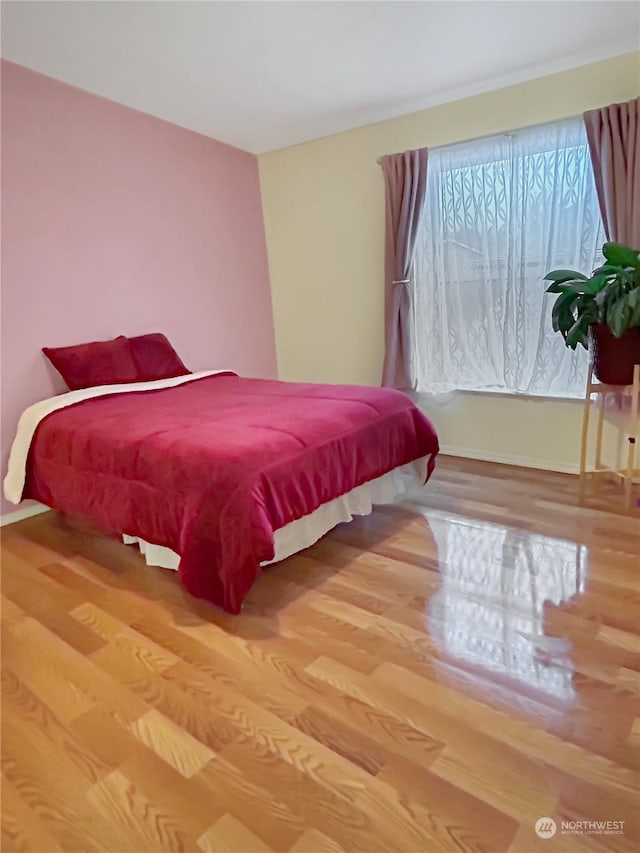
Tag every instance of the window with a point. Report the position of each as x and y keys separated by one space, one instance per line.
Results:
x=499 y=213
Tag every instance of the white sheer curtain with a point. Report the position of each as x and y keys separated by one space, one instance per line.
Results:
x=499 y=213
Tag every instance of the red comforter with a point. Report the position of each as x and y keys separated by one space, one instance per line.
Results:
x=211 y=468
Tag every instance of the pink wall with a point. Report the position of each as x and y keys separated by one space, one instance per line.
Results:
x=115 y=222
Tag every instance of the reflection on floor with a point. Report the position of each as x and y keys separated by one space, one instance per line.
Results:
x=490 y=607
x=436 y=677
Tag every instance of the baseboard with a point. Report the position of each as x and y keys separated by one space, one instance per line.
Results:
x=505 y=459
x=23 y=512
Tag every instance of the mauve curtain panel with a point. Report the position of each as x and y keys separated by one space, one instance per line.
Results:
x=405 y=178
x=614 y=142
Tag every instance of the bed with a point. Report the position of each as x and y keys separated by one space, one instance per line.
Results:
x=217 y=475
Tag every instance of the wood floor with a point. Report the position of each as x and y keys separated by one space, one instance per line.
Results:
x=435 y=677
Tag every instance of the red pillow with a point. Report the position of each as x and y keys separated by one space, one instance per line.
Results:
x=155 y=358
x=97 y=363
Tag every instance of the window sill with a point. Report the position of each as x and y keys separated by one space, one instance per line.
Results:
x=445 y=396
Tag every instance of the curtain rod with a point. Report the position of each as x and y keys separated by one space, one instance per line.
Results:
x=489 y=135
x=510 y=132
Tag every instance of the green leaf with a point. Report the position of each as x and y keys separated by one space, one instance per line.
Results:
x=633 y=297
x=611 y=270
x=618 y=253
x=595 y=284
x=562 y=314
x=564 y=287
x=634 y=320
x=634 y=301
x=564 y=275
x=618 y=316
x=613 y=292
x=589 y=311
x=556 y=287
x=590 y=286
x=577 y=334
x=607 y=269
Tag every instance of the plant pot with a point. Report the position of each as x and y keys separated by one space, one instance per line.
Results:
x=614 y=358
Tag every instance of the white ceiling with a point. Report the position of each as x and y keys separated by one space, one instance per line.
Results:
x=264 y=75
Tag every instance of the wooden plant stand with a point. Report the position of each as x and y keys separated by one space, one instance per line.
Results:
x=624 y=416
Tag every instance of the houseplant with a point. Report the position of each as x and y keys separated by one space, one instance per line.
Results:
x=604 y=309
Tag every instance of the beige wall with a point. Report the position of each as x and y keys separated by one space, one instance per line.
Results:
x=324 y=217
